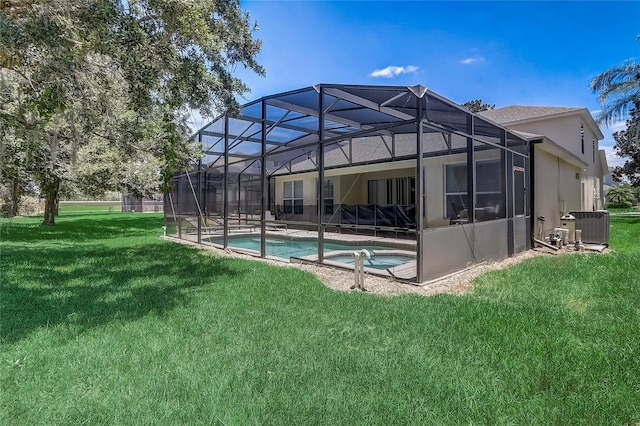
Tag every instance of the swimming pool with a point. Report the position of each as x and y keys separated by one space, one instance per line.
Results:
x=287 y=248
x=377 y=261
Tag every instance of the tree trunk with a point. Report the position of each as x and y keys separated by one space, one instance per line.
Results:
x=51 y=187
x=51 y=191
x=15 y=198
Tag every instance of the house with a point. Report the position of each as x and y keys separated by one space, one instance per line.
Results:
x=425 y=185
x=569 y=167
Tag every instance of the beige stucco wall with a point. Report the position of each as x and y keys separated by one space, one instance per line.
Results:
x=355 y=186
x=557 y=191
x=565 y=131
x=308 y=187
x=351 y=183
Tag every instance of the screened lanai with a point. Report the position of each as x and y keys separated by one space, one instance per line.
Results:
x=312 y=175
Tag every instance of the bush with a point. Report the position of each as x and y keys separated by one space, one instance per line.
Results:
x=623 y=204
x=28 y=206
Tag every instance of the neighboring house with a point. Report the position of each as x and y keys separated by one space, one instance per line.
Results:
x=569 y=168
x=136 y=204
x=608 y=183
x=608 y=179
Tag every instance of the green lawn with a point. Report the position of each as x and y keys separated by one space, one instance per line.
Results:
x=66 y=210
x=623 y=210
x=104 y=323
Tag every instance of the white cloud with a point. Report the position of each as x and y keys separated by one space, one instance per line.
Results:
x=392 y=71
x=472 y=60
x=618 y=126
x=195 y=120
x=612 y=158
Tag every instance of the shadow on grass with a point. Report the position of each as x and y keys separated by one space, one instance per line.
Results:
x=85 y=287
x=65 y=214
x=76 y=228
x=631 y=220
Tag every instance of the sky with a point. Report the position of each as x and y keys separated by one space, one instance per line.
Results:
x=505 y=52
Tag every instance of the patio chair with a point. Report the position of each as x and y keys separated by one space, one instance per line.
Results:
x=207 y=227
x=463 y=217
x=270 y=222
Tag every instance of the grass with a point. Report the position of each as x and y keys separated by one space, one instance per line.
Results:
x=623 y=210
x=66 y=210
x=104 y=323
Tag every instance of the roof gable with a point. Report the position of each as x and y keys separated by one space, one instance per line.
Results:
x=516 y=114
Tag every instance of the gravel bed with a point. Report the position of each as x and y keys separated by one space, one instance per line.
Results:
x=342 y=280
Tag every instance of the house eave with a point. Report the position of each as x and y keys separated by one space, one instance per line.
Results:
x=551 y=147
x=604 y=166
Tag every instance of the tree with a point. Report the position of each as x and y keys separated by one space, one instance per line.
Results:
x=619 y=91
x=476 y=105
x=14 y=181
x=628 y=146
x=117 y=78
x=620 y=197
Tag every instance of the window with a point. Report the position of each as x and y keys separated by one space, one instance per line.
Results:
x=489 y=198
x=489 y=190
x=394 y=191
x=455 y=192
x=292 y=197
x=327 y=194
x=519 y=192
x=582 y=137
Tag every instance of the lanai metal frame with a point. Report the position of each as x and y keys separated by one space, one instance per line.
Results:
x=321 y=123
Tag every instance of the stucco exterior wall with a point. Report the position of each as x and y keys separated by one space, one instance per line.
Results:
x=566 y=132
x=351 y=183
x=355 y=186
x=557 y=191
x=308 y=187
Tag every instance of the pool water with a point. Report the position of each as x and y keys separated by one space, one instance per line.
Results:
x=377 y=261
x=300 y=248
x=289 y=248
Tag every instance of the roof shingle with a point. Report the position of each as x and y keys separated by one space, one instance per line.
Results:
x=516 y=113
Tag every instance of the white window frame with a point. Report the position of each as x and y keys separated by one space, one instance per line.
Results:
x=464 y=164
x=289 y=198
x=447 y=194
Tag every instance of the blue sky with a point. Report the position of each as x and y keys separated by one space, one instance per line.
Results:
x=506 y=53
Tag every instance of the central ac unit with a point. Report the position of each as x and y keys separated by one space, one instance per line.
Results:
x=594 y=225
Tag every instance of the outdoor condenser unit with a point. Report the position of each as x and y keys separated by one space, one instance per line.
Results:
x=594 y=225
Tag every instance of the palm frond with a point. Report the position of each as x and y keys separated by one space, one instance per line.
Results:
x=618 y=90
x=614 y=111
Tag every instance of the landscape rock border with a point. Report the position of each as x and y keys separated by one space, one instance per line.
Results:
x=342 y=280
